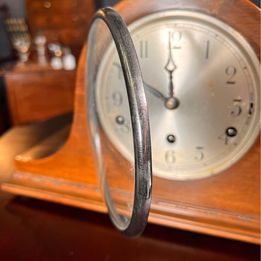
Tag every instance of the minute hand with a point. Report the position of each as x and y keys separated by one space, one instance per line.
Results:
x=170 y=67
x=172 y=102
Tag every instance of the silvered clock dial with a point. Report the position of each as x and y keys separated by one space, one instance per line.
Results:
x=202 y=85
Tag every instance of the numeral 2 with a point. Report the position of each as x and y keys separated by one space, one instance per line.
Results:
x=231 y=72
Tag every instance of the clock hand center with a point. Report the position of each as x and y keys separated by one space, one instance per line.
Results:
x=172 y=103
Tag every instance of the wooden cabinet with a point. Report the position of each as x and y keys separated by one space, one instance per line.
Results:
x=4 y=117
x=65 y=21
x=38 y=92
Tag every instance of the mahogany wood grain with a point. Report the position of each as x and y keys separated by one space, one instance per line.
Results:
x=225 y=205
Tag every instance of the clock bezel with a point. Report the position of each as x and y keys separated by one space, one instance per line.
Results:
x=136 y=223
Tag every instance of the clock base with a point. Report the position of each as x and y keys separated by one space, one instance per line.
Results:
x=179 y=215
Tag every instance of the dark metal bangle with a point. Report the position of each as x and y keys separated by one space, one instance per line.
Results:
x=134 y=225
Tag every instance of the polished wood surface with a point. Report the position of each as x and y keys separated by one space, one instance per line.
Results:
x=225 y=205
x=36 y=92
x=37 y=230
x=29 y=137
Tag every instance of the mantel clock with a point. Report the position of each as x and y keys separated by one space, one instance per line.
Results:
x=199 y=63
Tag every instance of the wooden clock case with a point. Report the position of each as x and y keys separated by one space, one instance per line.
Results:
x=225 y=205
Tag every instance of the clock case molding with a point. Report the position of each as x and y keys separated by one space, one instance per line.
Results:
x=225 y=205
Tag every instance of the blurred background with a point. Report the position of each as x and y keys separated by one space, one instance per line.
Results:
x=40 y=43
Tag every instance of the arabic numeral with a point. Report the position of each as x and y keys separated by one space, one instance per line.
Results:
x=237 y=107
x=124 y=128
x=224 y=138
x=120 y=73
x=251 y=109
x=117 y=99
x=199 y=153
x=176 y=39
x=229 y=136
x=231 y=72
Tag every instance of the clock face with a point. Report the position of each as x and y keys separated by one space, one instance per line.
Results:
x=202 y=87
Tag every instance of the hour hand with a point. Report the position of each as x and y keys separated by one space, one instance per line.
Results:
x=154 y=91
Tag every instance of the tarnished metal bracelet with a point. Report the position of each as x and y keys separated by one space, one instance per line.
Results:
x=134 y=225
